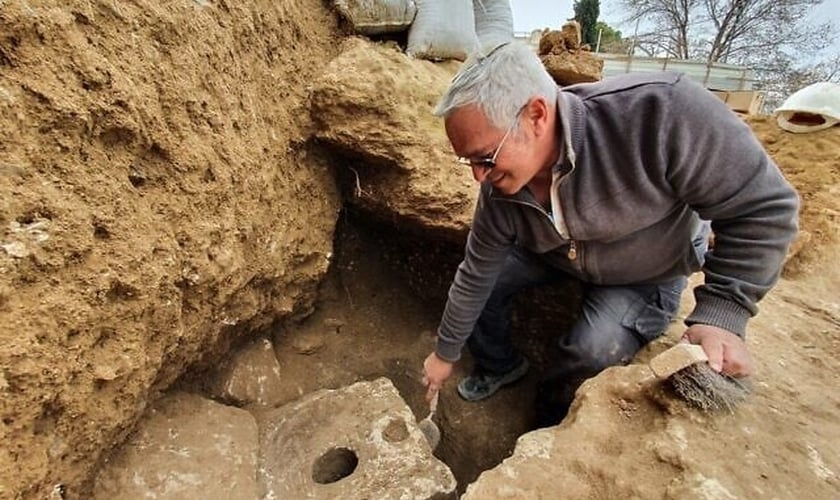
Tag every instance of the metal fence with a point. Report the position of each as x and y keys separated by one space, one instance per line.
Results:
x=715 y=76
x=712 y=76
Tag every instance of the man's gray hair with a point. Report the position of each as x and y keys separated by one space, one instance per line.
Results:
x=500 y=82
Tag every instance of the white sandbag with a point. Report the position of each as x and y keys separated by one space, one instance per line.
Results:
x=493 y=22
x=443 y=29
x=374 y=17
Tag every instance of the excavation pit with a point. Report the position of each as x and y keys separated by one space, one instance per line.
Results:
x=377 y=316
x=375 y=321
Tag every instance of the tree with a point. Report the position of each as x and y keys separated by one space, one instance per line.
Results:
x=586 y=13
x=744 y=27
x=728 y=30
x=784 y=78
x=611 y=40
x=672 y=19
x=771 y=37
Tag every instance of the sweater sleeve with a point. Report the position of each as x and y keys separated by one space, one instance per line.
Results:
x=488 y=244
x=717 y=166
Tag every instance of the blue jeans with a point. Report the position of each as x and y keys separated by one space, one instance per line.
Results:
x=615 y=322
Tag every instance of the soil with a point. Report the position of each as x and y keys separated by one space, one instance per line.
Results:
x=386 y=292
x=156 y=205
x=371 y=320
x=160 y=204
x=811 y=162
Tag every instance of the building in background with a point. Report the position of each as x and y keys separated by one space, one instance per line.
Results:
x=733 y=84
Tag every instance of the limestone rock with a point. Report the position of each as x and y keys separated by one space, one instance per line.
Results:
x=628 y=436
x=568 y=68
x=551 y=41
x=353 y=443
x=373 y=108
x=188 y=447
x=570 y=32
x=309 y=342
x=252 y=376
x=803 y=238
x=565 y=59
x=567 y=39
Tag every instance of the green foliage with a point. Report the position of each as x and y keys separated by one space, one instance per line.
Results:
x=611 y=40
x=586 y=13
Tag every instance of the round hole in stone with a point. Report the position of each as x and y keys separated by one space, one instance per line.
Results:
x=395 y=431
x=334 y=465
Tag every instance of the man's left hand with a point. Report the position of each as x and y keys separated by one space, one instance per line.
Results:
x=727 y=352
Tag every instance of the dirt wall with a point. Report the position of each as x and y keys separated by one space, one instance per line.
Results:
x=811 y=162
x=154 y=207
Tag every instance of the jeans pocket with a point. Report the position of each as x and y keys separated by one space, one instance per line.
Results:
x=652 y=322
x=650 y=316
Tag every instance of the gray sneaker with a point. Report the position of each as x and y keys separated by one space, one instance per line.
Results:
x=481 y=384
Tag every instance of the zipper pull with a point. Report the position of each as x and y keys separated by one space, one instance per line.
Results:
x=572 y=250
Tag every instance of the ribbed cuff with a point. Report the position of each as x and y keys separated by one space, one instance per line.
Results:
x=722 y=313
x=448 y=351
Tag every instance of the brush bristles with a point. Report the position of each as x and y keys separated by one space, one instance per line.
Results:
x=709 y=390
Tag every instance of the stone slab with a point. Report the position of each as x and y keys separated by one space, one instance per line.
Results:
x=358 y=442
x=252 y=376
x=188 y=447
x=568 y=68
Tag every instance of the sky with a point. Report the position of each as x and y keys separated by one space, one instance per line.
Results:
x=529 y=15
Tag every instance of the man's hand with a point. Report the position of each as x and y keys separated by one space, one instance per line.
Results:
x=726 y=351
x=435 y=373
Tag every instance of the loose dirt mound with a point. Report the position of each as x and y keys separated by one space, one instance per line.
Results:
x=811 y=162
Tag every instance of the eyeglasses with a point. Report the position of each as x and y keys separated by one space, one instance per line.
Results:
x=489 y=161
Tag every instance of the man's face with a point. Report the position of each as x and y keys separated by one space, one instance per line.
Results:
x=474 y=138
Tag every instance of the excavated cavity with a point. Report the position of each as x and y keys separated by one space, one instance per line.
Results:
x=376 y=316
x=334 y=465
x=388 y=289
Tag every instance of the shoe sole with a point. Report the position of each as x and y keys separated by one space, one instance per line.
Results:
x=515 y=375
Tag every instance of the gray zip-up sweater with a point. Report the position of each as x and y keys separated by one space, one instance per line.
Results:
x=644 y=155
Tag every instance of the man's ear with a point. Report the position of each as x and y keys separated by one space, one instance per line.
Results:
x=537 y=113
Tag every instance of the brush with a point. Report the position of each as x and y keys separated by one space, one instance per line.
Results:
x=686 y=368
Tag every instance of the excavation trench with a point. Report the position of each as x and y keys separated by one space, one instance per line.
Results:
x=163 y=203
x=376 y=316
